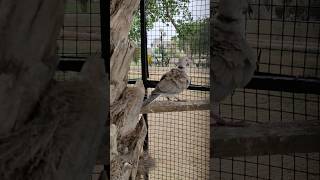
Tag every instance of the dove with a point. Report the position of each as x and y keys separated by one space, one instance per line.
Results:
x=233 y=60
x=172 y=83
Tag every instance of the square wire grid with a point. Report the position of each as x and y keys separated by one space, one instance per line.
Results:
x=179 y=141
x=287 y=33
x=79 y=38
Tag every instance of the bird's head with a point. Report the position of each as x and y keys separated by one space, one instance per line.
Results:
x=183 y=62
x=234 y=10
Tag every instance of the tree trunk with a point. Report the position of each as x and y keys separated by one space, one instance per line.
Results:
x=49 y=130
x=128 y=129
x=27 y=56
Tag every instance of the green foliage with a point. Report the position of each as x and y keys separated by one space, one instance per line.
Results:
x=161 y=10
x=193 y=36
x=137 y=57
x=167 y=10
x=135 y=30
x=134 y=34
x=81 y=6
x=84 y=5
x=289 y=10
x=161 y=56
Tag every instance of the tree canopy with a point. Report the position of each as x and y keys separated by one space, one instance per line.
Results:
x=192 y=35
x=166 y=11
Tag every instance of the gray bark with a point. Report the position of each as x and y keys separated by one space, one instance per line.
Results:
x=128 y=129
x=28 y=59
x=264 y=139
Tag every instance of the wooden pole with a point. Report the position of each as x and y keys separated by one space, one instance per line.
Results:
x=263 y=139
x=173 y=106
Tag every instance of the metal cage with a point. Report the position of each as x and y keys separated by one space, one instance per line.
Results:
x=284 y=90
x=178 y=141
x=83 y=33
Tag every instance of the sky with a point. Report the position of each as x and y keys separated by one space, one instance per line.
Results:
x=198 y=8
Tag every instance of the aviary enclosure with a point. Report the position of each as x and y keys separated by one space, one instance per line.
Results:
x=285 y=35
x=281 y=103
x=80 y=37
x=178 y=134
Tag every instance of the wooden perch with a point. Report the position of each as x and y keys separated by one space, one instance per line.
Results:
x=265 y=139
x=172 y=106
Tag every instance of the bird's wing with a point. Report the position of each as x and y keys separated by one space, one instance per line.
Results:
x=233 y=62
x=222 y=79
x=150 y=99
x=165 y=75
x=173 y=82
x=232 y=69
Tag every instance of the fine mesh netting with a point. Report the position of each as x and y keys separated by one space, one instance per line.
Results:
x=287 y=35
x=178 y=141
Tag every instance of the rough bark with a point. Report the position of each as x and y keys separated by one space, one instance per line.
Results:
x=128 y=129
x=28 y=59
x=49 y=130
x=122 y=50
x=61 y=140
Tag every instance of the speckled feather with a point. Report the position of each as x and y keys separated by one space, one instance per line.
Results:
x=233 y=61
x=171 y=83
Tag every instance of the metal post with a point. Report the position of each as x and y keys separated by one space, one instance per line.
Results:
x=144 y=63
x=161 y=47
x=104 y=22
x=143 y=25
x=105 y=48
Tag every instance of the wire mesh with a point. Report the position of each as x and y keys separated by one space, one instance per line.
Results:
x=80 y=33
x=287 y=33
x=79 y=38
x=178 y=141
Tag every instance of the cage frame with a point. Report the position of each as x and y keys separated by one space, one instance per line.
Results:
x=260 y=81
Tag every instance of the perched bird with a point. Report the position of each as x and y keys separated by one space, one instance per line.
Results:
x=233 y=60
x=172 y=83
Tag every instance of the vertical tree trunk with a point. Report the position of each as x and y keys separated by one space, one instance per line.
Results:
x=128 y=129
x=49 y=130
x=28 y=59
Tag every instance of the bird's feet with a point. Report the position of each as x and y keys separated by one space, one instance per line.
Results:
x=169 y=99
x=176 y=99
x=218 y=121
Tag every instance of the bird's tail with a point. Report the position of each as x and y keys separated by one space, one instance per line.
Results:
x=151 y=98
